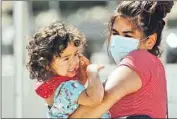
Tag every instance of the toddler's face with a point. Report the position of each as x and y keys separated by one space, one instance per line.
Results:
x=68 y=63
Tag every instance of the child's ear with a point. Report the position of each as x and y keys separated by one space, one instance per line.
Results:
x=48 y=68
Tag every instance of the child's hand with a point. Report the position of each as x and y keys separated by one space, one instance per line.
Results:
x=84 y=62
x=93 y=69
x=94 y=93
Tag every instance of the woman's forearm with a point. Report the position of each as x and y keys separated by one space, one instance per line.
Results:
x=96 y=111
x=110 y=98
x=121 y=82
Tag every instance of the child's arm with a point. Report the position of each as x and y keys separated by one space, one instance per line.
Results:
x=71 y=93
x=83 y=63
x=94 y=93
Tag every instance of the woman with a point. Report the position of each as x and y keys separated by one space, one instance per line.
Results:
x=137 y=87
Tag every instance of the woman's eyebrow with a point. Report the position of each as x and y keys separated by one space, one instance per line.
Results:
x=124 y=31
x=127 y=31
x=114 y=30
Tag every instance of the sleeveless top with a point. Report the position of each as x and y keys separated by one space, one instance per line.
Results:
x=151 y=99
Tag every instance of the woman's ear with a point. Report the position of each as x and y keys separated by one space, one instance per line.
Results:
x=151 y=41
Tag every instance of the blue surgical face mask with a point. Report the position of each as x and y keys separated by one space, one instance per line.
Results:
x=121 y=46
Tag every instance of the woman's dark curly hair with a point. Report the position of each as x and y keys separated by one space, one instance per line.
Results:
x=48 y=42
x=148 y=17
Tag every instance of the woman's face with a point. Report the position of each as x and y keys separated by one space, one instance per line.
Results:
x=68 y=63
x=124 y=27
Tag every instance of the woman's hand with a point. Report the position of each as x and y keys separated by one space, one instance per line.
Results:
x=84 y=62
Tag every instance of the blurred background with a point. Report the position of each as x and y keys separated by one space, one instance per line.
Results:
x=22 y=18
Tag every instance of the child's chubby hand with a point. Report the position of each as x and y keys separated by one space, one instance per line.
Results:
x=93 y=69
x=83 y=63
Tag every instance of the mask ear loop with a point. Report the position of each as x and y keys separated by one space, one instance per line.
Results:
x=144 y=39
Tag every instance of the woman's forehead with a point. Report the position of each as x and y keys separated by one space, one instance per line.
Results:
x=121 y=24
x=124 y=24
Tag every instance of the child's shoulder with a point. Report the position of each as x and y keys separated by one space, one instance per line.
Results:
x=46 y=88
x=69 y=90
x=71 y=83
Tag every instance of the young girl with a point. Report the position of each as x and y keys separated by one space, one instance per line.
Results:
x=54 y=60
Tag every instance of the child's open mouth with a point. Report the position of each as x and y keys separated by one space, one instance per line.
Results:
x=73 y=70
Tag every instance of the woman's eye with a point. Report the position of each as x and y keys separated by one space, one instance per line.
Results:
x=128 y=36
x=115 y=33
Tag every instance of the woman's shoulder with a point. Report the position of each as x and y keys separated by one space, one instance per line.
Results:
x=143 y=63
x=141 y=60
x=142 y=56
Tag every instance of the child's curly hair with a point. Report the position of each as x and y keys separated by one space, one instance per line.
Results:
x=48 y=42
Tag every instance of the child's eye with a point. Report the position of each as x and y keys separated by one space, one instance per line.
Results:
x=77 y=54
x=66 y=59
